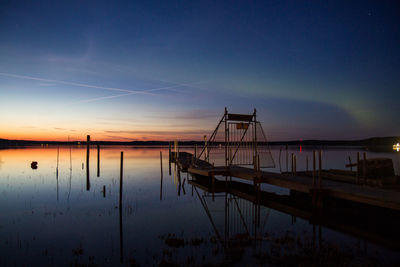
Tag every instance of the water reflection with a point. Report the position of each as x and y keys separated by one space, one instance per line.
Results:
x=246 y=212
x=103 y=227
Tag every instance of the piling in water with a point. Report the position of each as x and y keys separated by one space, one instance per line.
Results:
x=58 y=156
x=292 y=170
x=161 y=175
x=98 y=160
x=313 y=173
x=287 y=158
x=205 y=148
x=365 y=167
x=87 y=163
x=319 y=168
x=358 y=167
x=70 y=155
x=280 y=166
x=121 y=179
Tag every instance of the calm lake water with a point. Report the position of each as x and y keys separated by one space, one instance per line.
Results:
x=50 y=219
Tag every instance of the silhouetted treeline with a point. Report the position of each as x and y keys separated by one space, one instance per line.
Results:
x=370 y=142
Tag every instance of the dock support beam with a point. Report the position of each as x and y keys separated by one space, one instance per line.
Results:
x=358 y=168
x=292 y=168
x=365 y=167
x=319 y=169
x=287 y=155
x=226 y=136
x=313 y=173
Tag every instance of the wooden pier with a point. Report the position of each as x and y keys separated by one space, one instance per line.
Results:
x=244 y=143
x=328 y=189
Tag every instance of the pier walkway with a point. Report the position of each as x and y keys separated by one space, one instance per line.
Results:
x=352 y=192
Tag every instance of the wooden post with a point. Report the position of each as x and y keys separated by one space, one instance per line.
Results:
x=365 y=167
x=287 y=155
x=87 y=163
x=313 y=173
x=98 y=160
x=169 y=167
x=70 y=155
x=295 y=165
x=226 y=136
x=161 y=175
x=319 y=168
x=121 y=179
x=255 y=132
x=280 y=166
x=292 y=164
x=258 y=162
x=104 y=191
x=205 y=148
x=358 y=168
x=169 y=150
x=195 y=151
x=58 y=156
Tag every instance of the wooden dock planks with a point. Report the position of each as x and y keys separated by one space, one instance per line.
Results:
x=335 y=189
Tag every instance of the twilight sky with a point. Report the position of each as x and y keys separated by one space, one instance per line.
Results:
x=161 y=70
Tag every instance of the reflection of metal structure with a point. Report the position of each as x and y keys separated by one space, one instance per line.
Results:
x=242 y=139
x=246 y=212
x=244 y=219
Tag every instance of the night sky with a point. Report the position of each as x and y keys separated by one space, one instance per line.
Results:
x=161 y=70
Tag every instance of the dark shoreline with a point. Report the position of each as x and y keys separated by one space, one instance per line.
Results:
x=370 y=142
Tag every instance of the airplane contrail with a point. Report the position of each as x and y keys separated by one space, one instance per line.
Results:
x=128 y=92
x=68 y=83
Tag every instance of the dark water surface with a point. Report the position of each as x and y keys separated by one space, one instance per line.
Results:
x=62 y=220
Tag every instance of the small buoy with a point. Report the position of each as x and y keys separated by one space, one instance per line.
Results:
x=34 y=165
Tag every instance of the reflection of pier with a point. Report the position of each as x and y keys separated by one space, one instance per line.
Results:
x=247 y=209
